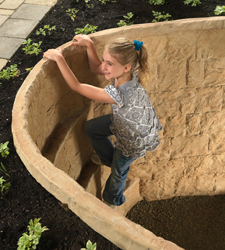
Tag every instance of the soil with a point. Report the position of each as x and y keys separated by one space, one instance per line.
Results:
x=194 y=223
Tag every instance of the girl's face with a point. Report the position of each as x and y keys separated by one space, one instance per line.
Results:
x=111 y=67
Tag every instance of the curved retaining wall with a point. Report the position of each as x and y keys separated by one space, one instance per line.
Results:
x=187 y=61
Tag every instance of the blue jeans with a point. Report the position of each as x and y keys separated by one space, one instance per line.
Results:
x=98 y=133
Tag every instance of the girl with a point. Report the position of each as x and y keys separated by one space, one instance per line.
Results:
x=133 y=122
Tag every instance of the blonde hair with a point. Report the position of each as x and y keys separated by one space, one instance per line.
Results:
x=125 y=52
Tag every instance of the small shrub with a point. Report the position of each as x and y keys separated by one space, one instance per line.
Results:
x=4 y=150
x=127 y=21
x=160 y=17
x=31 y=239
x=90 y=246
x=194 y=2
x=3 y=169
x=8 y=73
x=104 y=1
x=87 y=29
x=42 y=31
x=157 y=2
x=4 y=186
x=89 y=5
x=219 y=10
x=72 y=13
x=31 y=48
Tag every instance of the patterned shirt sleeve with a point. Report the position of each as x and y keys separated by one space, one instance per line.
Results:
x=115 y=94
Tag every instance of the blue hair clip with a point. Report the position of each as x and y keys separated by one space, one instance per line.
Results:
x=138 y=44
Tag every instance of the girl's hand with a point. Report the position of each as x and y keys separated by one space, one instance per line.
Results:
x=82 y=40
x=53 y=54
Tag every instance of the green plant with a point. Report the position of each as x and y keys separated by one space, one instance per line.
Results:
x=87 y=29
x=72 y=13
x=157 y=2
x=4 y=185
x=9 y=72
x=160 y=17
x=42 y=31
x=90 y=246
x=104 y=1
x=4 y=150
x=29 y=69
x=3 y=169
x=219 y=10
x=30 y=240
x=89 y=5
x=127 y=21
x=31 y=48
x=194 y=2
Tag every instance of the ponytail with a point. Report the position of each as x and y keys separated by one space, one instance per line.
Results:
x=143 y=66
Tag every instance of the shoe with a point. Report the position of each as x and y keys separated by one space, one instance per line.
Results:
x=95 y=158
x=110 y=205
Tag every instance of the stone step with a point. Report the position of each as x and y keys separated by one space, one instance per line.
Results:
x=86 y=174
x=58 y=135
x=97 y=181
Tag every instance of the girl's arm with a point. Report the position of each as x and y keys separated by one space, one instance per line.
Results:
x=93 y=60
x=91 y=92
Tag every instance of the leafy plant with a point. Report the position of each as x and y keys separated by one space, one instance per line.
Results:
x=157 y=2
x=87 y=29
x=72 y=13
x=90 y=246
x=127 y=21
x=89 y=5
x=4 y=185
x=42 y=31
x=3 y=169
x=31 y=239
x=219 y=10
x=194 y=2
x=160 y=17
x=4 y=150
x=31 y=48
x=9 y=72
x=29 y=69
x=104 y=1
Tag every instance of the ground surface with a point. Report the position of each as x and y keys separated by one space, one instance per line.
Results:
x=195 y=223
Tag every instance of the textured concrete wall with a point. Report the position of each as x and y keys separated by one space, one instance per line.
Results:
x=187 y=90
x=187 y=61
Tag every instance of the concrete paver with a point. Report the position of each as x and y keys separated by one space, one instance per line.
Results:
x=18 y=18
x=17 y=28
x=6 y=12
x=31 y=11
x=11 y=4
x=3 y=19
x=42 y=2
x=8 y=46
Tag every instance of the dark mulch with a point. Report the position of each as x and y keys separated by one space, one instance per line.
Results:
x=26 y=199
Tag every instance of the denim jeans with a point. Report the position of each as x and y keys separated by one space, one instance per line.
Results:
x=98 y=133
